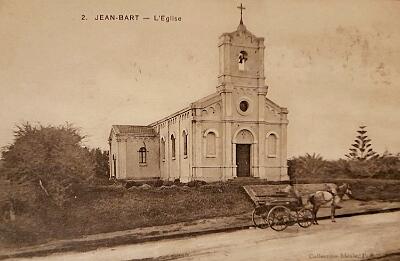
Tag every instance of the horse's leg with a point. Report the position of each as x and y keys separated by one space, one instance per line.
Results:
x=314 y=208
x=315 y=215
x=333 y=213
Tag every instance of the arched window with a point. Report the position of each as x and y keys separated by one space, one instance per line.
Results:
x=142 y=155
x=173 y=146
x=162 y=149
x=242 y=60
x=185 y=143
x=272 y=145
x=211 y=144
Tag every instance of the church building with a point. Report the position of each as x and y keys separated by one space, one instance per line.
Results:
x=234 y=132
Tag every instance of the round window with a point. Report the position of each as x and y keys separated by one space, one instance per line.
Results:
x=244 y=105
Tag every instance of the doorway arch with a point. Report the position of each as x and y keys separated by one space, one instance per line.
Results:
x=243 y=152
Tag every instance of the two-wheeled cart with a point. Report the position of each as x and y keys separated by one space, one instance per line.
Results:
x=278 y=211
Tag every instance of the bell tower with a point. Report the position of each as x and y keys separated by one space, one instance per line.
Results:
x=241 y=58
x=245 y=108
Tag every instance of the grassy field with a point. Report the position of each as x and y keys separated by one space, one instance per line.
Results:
x=112 y=208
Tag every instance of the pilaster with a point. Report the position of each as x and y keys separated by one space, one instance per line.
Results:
x=198 y=146
x=283 y=145
x=122 y=147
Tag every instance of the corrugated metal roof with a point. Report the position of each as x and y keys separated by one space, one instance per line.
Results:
x=134 y=129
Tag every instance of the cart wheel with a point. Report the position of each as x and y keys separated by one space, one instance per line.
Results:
x=305 y=217
x=278 y=218
x=259 y=219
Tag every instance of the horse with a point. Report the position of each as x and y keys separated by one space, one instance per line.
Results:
x=328 y=199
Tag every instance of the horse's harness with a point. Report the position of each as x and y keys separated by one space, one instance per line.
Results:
x=333 y=196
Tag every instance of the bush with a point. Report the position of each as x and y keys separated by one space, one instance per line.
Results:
x=130 y=184
x=158 y=183
x=308 y=165
x=196 y=183
x=387 y=166
x=168 y=183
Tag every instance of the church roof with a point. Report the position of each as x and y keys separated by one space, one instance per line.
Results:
x=134 y=129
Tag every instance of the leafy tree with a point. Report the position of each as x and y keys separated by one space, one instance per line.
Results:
x=361 y=149
x=51 y=157
x=101 y=161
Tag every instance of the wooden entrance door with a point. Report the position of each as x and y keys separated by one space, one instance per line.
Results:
x=243 y=160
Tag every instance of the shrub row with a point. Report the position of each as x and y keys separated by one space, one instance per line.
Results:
x=383 y=167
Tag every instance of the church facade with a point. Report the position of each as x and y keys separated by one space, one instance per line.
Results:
x=234 y=132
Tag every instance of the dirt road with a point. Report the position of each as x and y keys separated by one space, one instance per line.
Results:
x=354 y=238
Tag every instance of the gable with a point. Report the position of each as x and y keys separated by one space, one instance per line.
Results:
x=112 y=134
x=273 y=111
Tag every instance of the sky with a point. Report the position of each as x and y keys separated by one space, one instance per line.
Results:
x=334 y=64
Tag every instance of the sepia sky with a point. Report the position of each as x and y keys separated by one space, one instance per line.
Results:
x=333 y=64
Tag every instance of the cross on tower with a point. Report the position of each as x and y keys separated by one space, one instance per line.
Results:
x=241 y=7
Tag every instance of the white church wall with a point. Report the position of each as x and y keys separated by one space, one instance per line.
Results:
x=164 y=137
x=272 y=113
x=275 y=161
x=211 y=112
x=177 y=167
x=211 y=158
x=121 y=158
x=184 y=160
x=134 y=168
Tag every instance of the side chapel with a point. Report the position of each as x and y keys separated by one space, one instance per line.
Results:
x=234 y=132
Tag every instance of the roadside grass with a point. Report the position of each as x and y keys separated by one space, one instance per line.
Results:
x=139 y=208
x=101 y=209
